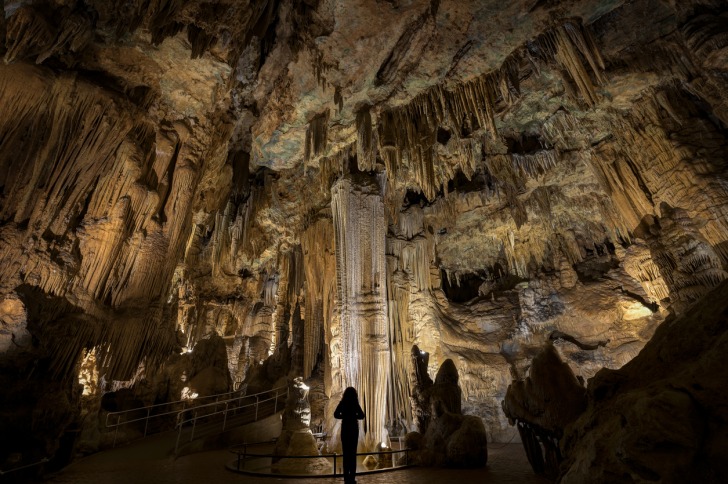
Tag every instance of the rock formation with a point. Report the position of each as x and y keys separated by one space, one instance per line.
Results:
x=320 y=185
x=445 y=436
x=296 y=437
x=662 y=416
x=542 y=405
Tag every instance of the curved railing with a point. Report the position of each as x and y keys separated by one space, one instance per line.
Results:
x=266 y=403
x=243 y=454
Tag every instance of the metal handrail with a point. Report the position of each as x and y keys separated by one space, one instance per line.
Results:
x=244 y=455
x=8 y=471
x=228 y=409
x=238 y=399
x=188 y=404
x=149 y=407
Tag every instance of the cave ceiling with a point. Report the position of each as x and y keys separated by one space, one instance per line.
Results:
x=464 y=175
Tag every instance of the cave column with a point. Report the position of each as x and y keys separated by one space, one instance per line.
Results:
x=360 y=233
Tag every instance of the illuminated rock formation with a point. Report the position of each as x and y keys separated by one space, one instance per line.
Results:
x=296 y=438
x=660 y=417
x=363 y=360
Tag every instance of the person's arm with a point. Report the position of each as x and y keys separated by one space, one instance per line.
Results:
x=338 y=413
x=359 y=412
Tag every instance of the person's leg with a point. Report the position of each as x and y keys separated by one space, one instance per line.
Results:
x=347 y=467
x=349 y=462
x=349 y=443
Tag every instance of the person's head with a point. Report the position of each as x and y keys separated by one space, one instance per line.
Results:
x=350 y=395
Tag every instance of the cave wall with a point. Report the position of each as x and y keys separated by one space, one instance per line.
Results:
x=173 y=172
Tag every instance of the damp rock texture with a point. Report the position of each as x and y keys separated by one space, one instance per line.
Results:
x=311 y=188
x=542 y=405
x=661 y=417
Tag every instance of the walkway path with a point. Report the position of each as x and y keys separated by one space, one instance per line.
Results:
x=149 y=461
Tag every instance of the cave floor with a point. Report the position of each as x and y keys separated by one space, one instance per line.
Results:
x=148 y=461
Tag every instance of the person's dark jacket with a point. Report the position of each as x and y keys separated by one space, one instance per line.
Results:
x=349 y=413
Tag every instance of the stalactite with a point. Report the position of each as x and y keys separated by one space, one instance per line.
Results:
x=75 y=32
x=270 y=290
x=57 y=174
x=366 y=155
x=639 y=264
x=28 y=33
x=687 y=263
x=534 y=164
x=647 y=165
x=318 y=246
x=564 y=44
x=413 y=258
x=332 y=167
x=200 y=40
x=100 y=246
x=120 y=348
x=221 y=241
x=409 y=260
x=316 y=135
x=408 y=134
x=296 y=278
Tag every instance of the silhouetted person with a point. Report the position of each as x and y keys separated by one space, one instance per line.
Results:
x=349 y=411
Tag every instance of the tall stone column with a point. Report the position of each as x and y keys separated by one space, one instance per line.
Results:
x=360 y=231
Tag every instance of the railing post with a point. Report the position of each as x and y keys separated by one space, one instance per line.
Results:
x=334 y=464
x=224 y=417
x=116 y=430
x=275 y=403
x=146 y=421
x=256 y=408
x=194 y=423
x=179 y=434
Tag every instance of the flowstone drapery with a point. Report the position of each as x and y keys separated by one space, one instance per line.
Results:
x=360 y=229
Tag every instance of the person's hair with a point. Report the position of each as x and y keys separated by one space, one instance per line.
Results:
x=350 y=396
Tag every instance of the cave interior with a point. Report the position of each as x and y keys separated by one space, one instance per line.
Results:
x=513 y=213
